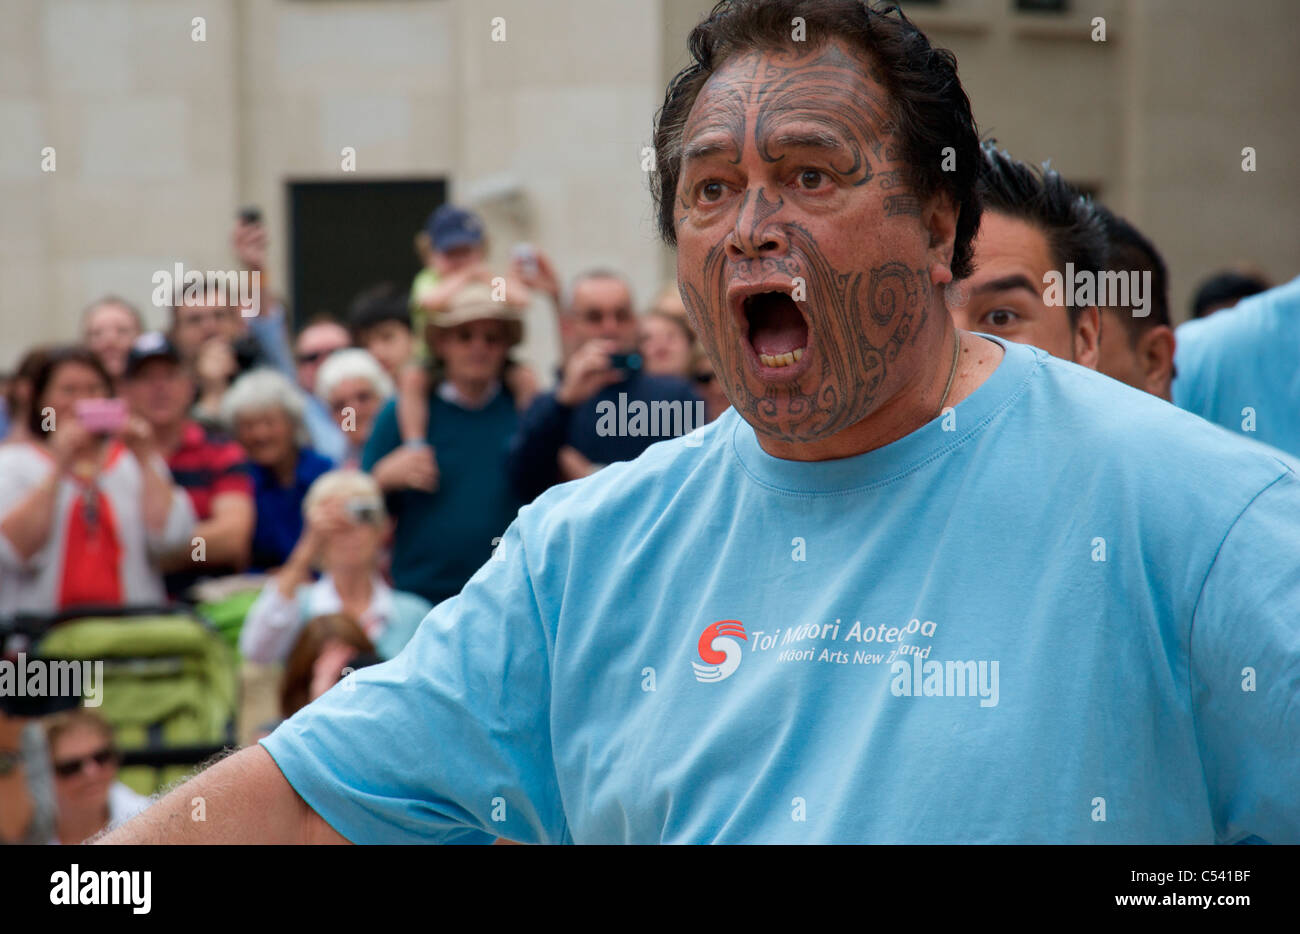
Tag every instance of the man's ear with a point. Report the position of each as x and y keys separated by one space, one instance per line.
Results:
x=939 y=218
x=1087 y=338
x=1155 y=353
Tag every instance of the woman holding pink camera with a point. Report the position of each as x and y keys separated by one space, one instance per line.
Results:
x=87 y=504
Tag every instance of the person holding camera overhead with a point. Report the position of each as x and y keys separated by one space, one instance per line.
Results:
x=344 y=526
x=87 y=505
x=562 y=436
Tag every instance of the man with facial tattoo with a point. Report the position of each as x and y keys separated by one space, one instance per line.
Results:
x=917 y=586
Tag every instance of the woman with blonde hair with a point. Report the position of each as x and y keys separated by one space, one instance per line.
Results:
x=345 y=524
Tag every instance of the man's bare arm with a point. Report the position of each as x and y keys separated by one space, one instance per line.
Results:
x=245 y=800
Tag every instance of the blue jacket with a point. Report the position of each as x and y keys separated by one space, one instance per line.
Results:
x=548 y=425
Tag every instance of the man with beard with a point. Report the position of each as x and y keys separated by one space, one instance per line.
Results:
x=796 y=630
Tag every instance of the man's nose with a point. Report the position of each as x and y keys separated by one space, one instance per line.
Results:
x=756 y=233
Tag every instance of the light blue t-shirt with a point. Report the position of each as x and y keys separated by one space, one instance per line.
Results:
x=1069 y=612
x=1240 y=368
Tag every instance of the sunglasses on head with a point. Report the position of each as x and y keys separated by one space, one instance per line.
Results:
x=70 y=767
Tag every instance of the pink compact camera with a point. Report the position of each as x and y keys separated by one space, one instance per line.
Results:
x=101 y=416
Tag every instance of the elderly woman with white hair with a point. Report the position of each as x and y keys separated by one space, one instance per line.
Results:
x=265 y=412
x=354 y=386
x=345 y=525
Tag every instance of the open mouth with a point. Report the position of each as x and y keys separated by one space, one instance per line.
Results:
x=777 y=330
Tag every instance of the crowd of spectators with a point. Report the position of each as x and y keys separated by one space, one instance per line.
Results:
x=216 y=429
x=355 y=474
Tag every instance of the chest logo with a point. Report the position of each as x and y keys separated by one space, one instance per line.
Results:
x=719 y=651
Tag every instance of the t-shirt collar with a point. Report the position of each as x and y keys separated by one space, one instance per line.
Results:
x=448 y=392
x=883 y=465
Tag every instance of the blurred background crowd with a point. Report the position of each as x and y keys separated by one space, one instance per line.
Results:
x=312 y=496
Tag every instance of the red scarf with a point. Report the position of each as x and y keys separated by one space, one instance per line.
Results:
x=92 y=554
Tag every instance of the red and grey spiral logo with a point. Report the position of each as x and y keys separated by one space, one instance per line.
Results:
x=719 y=650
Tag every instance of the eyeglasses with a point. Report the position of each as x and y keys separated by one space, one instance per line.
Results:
x=595 y=316
x=314 y=356
x=102 y=758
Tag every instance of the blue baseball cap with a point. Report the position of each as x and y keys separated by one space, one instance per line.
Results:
x=152 y=345
x=450 y=227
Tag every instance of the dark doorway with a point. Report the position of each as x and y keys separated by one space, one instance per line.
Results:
x=346 y=236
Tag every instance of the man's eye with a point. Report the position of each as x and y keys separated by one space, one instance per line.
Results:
x=810 y=179
x=1002 y=317
x=710 y=191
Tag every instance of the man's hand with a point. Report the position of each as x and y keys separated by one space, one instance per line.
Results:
x=69 y=441
x=137 y=434
x=409 y=467
x=249 y=242
x=540 y=277
x=587 y=372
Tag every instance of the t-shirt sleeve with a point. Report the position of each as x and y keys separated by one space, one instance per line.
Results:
x=1245 y=671
x=450 y=741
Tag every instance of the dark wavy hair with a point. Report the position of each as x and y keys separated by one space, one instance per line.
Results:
x=930 y=110
x=1039 y=196
x=1129 y=250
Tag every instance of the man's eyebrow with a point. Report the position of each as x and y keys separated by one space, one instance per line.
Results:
x=807 y=139
x=702 y=149
x=1006 y=283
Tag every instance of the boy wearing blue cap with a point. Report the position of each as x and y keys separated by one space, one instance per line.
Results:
x=457 y=257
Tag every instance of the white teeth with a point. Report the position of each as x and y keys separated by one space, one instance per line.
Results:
x=781 y=359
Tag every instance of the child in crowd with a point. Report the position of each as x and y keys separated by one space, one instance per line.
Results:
x=380 y=321
x=457 y=258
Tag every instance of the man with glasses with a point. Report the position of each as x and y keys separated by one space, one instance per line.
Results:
x=581 y=425
x=449 y=523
